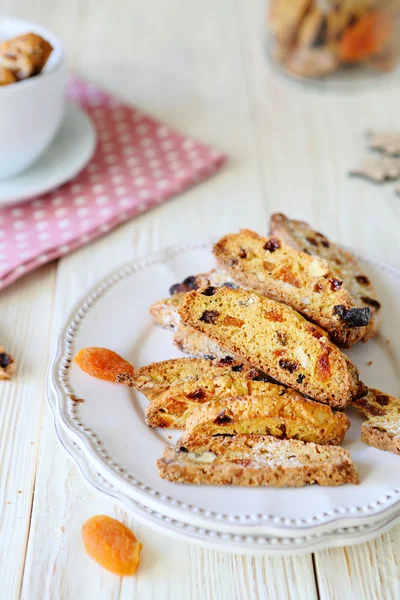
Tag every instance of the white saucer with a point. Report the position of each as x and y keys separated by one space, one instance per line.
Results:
x=71 y=150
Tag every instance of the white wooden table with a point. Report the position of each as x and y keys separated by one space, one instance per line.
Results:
x=201 y=67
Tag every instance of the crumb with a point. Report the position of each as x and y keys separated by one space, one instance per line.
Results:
x=32 y=443
x=388 y=341
x=19 y=491
x=74 y=398
x=170 y=437
x=369 y=363
x=8 y=502
x=62 y=529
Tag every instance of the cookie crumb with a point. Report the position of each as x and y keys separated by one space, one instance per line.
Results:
x=388 y=341
x=62 y=529
x=74 y=398
x=369 y=363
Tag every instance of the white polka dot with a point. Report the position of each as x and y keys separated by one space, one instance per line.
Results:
x=125 y=202
x=37 y=203
x=128 y=150
x=64 y=248
x=175 y=164
x=19 y=236
x=109 y=146
x=76 y=188
x=67 y=235
x=114 y=169
x=81 y=212
x=25 y=254
x=21 y=245
x=167 y=145
x=158 y=173
x=39 y=214
x=20 y=270
x=143 y=128
x=95 y=177
x=122 y=216
x=162 y=184
x=132 y=160
x=187 y=144
x=150 y=152
x=101 y=200
x=61 y=212
x=97 y=189
x=42 y=225
x=43 y=235
x=79 y=200
x=181 y=173
x=84 y=239
x=146 y=142
x=198 y=164
x=57 y=201
x=172 y=155
x=110 y=159
x=64 y=223
x=193 y=154
x=155 y=163
x=105 y=212
x=144 y=194
x=125 y=138
x=92 y=168
x=105 y=227
x=42 y=258
x=142 y=206
x=162 y=131
x=17 y=212
x=136 y=171
x=118 y=179
x=85 y=223
x=140 y=181
x=19 y=224
x=120 y=190
x=3 y=266
x=103 y=136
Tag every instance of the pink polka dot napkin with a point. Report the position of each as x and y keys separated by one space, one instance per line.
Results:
x=139 y=163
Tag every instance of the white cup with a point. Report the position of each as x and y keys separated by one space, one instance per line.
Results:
x=31 y=110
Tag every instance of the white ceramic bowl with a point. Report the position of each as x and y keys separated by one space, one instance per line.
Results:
x=31 y=111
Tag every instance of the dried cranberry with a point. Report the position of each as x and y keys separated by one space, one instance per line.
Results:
x=242 y=253
x=209 y=316
x=272 y=244
x=283 y=430
x=191 y=283
x=288 y=365
x=362 y=279
x=382 y=399
x=222 y=418
x=336 y=284
x=282 y=337
x=371 y=302
x=353 y=317
x=183 y=449
x=237 y=368
x=198 y=394
x=300 y=378
x=209 y=291
x=318 y=287
x=4 y=360
x=227 y=360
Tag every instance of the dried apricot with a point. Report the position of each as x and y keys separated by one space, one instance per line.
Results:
x=102 y=363
x=111 y=544
x=366 y=38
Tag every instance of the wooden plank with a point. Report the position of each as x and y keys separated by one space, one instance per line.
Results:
x=25 y=310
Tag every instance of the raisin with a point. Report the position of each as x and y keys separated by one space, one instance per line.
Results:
x=242 y=253
x=282 y=337
x=362 y=279
x=183 y=449
x=300 y=378
x=209 y=291
x=260 y=377
x=382 y=399
x=288 y=365
x=272 y=244
x=5 y=360
x=371 y=302
x=191 y=283
x=228 y=320
x=312 y=241
x=353 y=317
x=237 y=368
x=102 y=363
x=318 y=287
x=230 y=285
x=336 y=284
x=111 y=544
x=227 y=360
x=177 y=288
x=222 y=418
x=198 y=394
x=209 y=316
x=283 y=429
x=375 y=411
x=322 y=240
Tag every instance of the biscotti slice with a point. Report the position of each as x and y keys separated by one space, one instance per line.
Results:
x=256 y=460
x=304 y=282
x=278 y=411
x=382 y=427
x=301 y=236
x=197 y=378
x=165 y=311
x=173 y=407
x=276 y=339
x=7 y=364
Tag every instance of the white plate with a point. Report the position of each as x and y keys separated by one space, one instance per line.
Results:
x=110 y=427
x=248 y=544
x=67 y=155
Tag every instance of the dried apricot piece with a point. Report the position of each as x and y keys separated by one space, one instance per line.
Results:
x=366 y=38
x=111 y=544
x=102 y=363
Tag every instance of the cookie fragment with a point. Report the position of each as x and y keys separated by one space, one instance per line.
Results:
x=7 y=365
x=312 y=62
x=382 y=426
x=378 y=168
x=385 y=141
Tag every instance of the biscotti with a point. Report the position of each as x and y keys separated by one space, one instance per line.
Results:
x=382 y=427
x=25 y=55
x=7 y=364
x=300 y=236
x=252 y=460
x=304 y=282
x=276 y=339
x=278 y=411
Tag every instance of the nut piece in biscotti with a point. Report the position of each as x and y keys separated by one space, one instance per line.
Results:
x=346 y=268
x=280 y=412
x=256 y=460
x=25 y=55
x=304 y=282
x=6 y=76
x=165 y=312
x=7 y=364
x=276 y=339
x=382 y=427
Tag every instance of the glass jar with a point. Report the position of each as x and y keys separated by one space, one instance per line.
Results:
x=335 y=39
